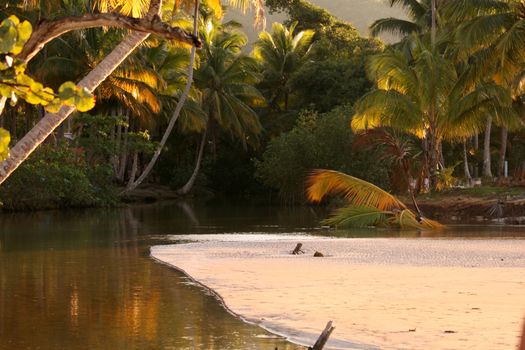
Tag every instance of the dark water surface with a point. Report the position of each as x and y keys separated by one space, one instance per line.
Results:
x=84 y=279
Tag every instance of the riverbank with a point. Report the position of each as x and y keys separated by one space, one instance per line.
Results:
x=380 y=293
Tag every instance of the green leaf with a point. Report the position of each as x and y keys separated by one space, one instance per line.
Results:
x=85 y=100
x=5 y=138
x=67 y=92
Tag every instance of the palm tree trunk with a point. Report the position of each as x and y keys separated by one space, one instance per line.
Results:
x=134 y=168
x=177 y=111
x=124 y=152
x=189 y=185
x=434 y=24
x=486 y=149
x=468 y=178
x=51 y=121
x=502 y=151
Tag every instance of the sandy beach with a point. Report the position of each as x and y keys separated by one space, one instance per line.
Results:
x=380 y=293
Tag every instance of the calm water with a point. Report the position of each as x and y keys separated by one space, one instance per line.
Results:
x=84 y=279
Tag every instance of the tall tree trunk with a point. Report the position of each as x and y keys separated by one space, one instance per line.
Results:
x=487 y=172
x=51 y=121
x=189 y=185
x=468 y=178
x=475 y=166
x=177 y=111
x=134 y=168
x=433 y=28
x=502 y=151
x=124 y=152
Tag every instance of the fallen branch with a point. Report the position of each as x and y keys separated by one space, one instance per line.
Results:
x=298 y=249
x=323 y=338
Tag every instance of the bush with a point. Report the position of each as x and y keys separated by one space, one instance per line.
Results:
x=317 y=141
x=56 y=177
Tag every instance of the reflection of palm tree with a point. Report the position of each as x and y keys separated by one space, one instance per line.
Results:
x=225 y=80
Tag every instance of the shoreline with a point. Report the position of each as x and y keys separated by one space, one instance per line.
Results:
x=223 y=303
x=249 y=312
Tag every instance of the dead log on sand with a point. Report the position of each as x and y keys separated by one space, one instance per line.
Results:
x=298 y=249
x=323 y=338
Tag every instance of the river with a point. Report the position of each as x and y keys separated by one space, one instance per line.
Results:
x=83 y=279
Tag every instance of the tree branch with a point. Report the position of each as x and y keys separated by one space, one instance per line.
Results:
x=47 y=31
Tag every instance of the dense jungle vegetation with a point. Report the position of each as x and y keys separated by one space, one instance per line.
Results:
x=439 y=108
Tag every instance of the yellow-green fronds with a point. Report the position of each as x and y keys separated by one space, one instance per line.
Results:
x=356 y=191
x=407 y=219
x=355 y=216
x=364 y=216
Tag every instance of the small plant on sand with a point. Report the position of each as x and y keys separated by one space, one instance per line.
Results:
x=369 y=205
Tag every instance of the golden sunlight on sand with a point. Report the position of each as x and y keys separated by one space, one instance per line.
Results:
x=380 y=293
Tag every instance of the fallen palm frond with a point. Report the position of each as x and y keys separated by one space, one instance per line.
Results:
x=369 y=204
x=357 y=217
x=357 y=192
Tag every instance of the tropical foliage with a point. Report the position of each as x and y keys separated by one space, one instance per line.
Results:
x=369 y=204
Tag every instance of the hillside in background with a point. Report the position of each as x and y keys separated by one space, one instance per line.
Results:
x=361 y=13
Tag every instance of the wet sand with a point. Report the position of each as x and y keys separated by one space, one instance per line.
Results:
x=380 y=293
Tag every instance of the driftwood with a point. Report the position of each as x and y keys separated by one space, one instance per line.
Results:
x=298 y=249
x=323 y=338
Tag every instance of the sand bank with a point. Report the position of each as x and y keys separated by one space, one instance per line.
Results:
x=380 y=293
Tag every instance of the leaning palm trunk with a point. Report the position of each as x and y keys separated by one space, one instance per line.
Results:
x=486 y=149
x=177 y=111
x=502 y=151
x=189 y=185
x=51 y=121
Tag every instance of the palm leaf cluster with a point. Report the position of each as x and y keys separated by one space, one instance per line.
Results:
x=369 y=205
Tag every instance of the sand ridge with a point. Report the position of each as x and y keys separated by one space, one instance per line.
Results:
x=381 y=293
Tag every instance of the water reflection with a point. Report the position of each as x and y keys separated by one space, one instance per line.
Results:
x=84 y=280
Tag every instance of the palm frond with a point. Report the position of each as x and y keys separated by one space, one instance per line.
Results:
x=393 y=26
x=358 y=192
x=357 y=216
x=406 y=219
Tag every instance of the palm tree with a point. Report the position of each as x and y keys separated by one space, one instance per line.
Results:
x=369 y=205
x=226 y=79
x=491 y=32
x=51 y=121
x=281 y=53
x=419 y=19
x=426 y=96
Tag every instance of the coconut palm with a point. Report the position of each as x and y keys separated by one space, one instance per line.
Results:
x=418 y=22
x=281 y=53
x=369 y=205
x=226 y=79
x=491 y=32
x=426 y=96
x=51 y=121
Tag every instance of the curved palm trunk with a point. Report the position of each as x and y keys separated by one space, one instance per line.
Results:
x=487 y=172
x=51 y=121
x=177 y=111
x=189 y=185
x=502 y=151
